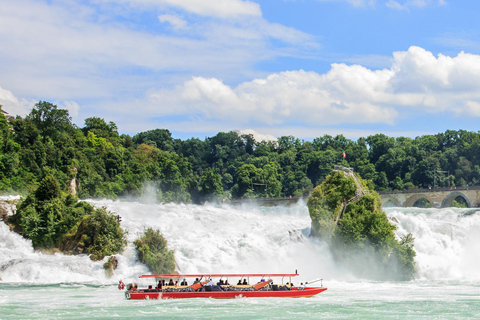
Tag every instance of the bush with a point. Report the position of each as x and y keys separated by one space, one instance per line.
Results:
x=153 y=251
x=54 y=220
x=98 y=234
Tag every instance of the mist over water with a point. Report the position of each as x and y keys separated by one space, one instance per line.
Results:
x=447 y=241
x=228 y=239
x=215 y=238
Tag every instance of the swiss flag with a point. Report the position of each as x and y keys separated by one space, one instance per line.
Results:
x=344 y=155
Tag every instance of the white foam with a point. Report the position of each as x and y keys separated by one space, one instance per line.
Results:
x=246 y=239
x=446 y=241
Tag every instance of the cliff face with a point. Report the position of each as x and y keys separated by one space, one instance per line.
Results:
x=3 y=210
x=347 y=214
x=7 y=208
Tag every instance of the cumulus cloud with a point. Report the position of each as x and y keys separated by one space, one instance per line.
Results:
x=417 y=80
x=14 y=106
x=22 y=107
x=292 y=96
x=259 y=136
x=470 y=108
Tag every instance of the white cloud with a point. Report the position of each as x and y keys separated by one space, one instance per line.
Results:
x=219 y=8
x=417 y=81
x=215 y=8
x=259 y=136
x=293 y=96
x=405 y=5
x=72 y=107
x=175 y=21
x=72 y=50
x=393 y=4
x=22 y=107
x=12 y=105
x=471 y=108
x=355 y=3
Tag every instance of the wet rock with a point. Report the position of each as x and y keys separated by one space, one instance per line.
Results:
x=110 y=265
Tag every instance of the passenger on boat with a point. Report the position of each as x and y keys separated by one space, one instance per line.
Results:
x=196 y=281
x=159 y=286
x=245 y=282
x=210 y=283
x=239 y=282
x=176 y=283
x=170 y=283
x=163 y=282
x=226 y=283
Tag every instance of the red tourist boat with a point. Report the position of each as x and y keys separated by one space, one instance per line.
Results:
x=174 y=286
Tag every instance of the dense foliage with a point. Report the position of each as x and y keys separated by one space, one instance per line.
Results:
x=359 y=232
x=229 y=164
x=153 y=251
x=54 y=220
x=98 y=234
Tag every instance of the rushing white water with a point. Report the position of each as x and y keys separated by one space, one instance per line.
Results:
x=447 y=241
x=248 y=239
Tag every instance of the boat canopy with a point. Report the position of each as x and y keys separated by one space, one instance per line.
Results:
x=219 y=275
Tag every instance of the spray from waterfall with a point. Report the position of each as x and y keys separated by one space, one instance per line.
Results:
x=219 y=238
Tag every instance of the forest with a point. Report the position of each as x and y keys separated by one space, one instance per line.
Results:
x=229 y=165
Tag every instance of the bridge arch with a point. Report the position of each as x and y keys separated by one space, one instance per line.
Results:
x=447 y=201
x=414 y=198
x=386 y=199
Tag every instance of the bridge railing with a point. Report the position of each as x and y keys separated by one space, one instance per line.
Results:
x=426 y=190
x=272 y=199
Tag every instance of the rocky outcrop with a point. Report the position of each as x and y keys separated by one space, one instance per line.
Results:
x=110 y=266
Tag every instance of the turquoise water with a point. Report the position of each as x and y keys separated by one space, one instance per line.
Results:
x=359 y=300
x=226 y=239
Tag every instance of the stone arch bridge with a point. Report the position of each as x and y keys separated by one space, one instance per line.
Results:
x=438 y=197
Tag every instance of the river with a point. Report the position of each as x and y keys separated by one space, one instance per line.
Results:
x=238 y=239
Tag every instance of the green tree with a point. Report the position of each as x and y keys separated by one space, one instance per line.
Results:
x=50 y=120
x=152 y=249
x=98 y=234
x=211 y=183
x=48 y=189
x=161 y=138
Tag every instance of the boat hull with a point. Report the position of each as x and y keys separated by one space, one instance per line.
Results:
x=294 y=293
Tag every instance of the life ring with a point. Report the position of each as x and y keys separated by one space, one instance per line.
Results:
x=121 y=285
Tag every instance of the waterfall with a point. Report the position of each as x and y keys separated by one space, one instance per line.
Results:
x=215 y=238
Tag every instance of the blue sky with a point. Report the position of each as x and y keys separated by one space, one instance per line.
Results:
x=276 y=67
